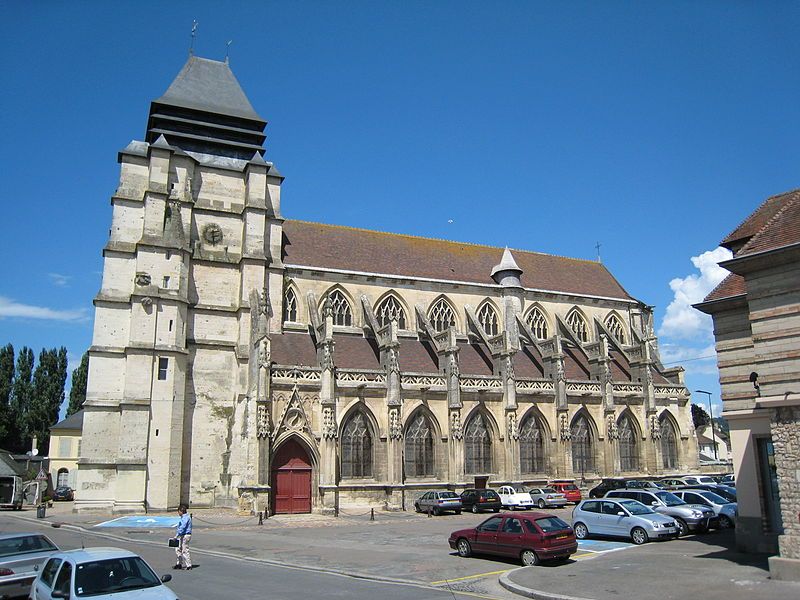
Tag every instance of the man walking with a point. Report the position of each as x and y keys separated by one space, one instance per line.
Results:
x=183 y=534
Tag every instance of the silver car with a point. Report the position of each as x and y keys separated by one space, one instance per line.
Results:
x=688 y=517
x=545 y=497
x=438 y=502
x=725 y=511
x=20 y=555
x=621 y=518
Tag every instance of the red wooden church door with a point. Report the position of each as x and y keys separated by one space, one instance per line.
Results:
x=291 y=479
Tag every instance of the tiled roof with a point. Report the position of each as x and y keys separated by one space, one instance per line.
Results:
x=350 y=249
x=732 y=285
x=760 y=217
x=781 y=230
x=74 y=421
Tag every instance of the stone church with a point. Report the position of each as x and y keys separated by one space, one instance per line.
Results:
x=241 y=358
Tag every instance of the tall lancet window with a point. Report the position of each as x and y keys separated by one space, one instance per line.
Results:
x=340 y=307
x=290 y=306
x=531 y=446
x=582 y=447
x=615 y=327
x=669 y=444
x=419 y=448
x=487 y=317
x=628 y=448
x=357 y=447
x=537 y=323
x=391 y=309
x=441 y=315
x=478 y=446
x=578 y=324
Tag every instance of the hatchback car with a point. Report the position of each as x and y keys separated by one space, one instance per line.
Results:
x=20 y=555
x=725 y=511
x=478 y=500
x=606 y=485
x=688 y=517
x=567 y=487
x=645 y=484
x=621 y=518
x=99 y=573
x=531 y=538
x=545 y=497
x=64 y=492
x=515 y=496
x=438 y=502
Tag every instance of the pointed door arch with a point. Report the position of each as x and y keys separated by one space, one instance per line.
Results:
x=291 y=478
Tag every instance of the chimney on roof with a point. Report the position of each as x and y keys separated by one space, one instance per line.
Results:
x=507 y=273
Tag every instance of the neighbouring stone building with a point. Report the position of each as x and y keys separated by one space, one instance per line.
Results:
x=756 y=312
x=239 y=357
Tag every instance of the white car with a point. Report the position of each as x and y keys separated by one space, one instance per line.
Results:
x=99 y=573
x=515 y=496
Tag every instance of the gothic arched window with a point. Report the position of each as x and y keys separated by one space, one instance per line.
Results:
x=628 y=448
x=419 y=448
x=531 y=446
x=477 y=446
x=487 y=317
x=390 y=309
x=669 y=444
x=357 y=447
x=340 y=307
x=290 y=306
x=582 y=447
x=578 y=324
x=615 y=327
x=537 y=323
x=441 y=315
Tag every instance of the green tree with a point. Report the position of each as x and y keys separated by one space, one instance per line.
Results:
x=19 y=404
x=700 y=417
x=77 y=393
x=6 y=382
x=48 y=395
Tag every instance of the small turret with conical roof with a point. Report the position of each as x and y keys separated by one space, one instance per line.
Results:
x=507 y=273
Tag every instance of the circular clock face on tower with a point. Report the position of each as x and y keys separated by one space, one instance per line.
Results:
x=212 y=233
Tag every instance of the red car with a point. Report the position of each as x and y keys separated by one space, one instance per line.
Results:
x=531 y=538
x=567 y=487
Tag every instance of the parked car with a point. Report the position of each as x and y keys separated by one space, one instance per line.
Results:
x=544 y=497
x=645 y=484
x=20 y=555
x=438 y=502
x=725 y=511
x=729 y=493
x=11 y=492
x=478 y=500
x=515 y=496
x=621 y=518
x=688 y=517
x=606 y=485
x=533 y=537
x=567 y=487
x=100 y=573
x=64 y=492
x=728 y=480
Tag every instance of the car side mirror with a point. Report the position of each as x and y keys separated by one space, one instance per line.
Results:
x=166 y=578
x=654 y=503
x=621 y=514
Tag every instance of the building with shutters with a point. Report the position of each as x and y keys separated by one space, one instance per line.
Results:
x=239 y=357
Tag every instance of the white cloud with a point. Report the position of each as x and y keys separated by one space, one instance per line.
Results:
x=701 y=361
x=681 y=321
x=10 y=308
x=59 y=279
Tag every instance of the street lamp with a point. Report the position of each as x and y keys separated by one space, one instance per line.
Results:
x=711 y=414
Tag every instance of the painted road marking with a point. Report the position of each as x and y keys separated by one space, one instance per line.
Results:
x=141 y=522
x=600 y=546
x=478 y=576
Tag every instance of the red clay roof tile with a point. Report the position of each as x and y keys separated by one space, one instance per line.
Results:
x=732 y=285
x=760 y=217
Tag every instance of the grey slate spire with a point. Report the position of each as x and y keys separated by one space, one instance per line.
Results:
x=205 y=110
x=507 y=273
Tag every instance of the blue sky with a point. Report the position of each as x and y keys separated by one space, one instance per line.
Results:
x=651 y=127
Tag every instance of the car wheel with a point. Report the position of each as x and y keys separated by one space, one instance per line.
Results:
x=725 y=522
x=496 y=510
x=541 y=503
x=464 y=549
x=475 y=509
x=417 y=508
x=436 y=511
x=639 y=536
x=683 y=528
x=529 y=558
x=581 y=532
x=458 y=511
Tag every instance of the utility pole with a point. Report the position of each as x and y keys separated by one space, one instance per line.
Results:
x=711 y=415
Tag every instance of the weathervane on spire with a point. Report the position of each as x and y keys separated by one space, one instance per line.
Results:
x=228 y=50
x=194 y=31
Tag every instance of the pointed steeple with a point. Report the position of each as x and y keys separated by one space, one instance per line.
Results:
x=205 y=110
x=507 y=273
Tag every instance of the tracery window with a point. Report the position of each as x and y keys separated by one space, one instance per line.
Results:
x=669 y=444
x=390 y=309
x=578 y=324
x=340 y=307
x=357 y=447
x=531 y=446
x=537 y=323
x=441 y=315
x=290 y=306
x=628 y=450
x=478 y=446
x=487 y=317
x=582 y=447
x=419 y=447
x=615 y=328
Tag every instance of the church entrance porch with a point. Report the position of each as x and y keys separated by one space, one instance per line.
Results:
x=291 y=479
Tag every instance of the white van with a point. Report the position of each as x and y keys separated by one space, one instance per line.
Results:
x=11 y=492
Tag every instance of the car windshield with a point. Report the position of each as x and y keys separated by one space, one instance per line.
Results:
x=113 y=575
x=571 y=487
x=669 y=499
x=447 y=495
x=549 y=524
x=548 y=491
x=519 y=489
x=25 y=544
x=712 y=497
x=635 y=508
x=489 y=494
x=708 y=480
